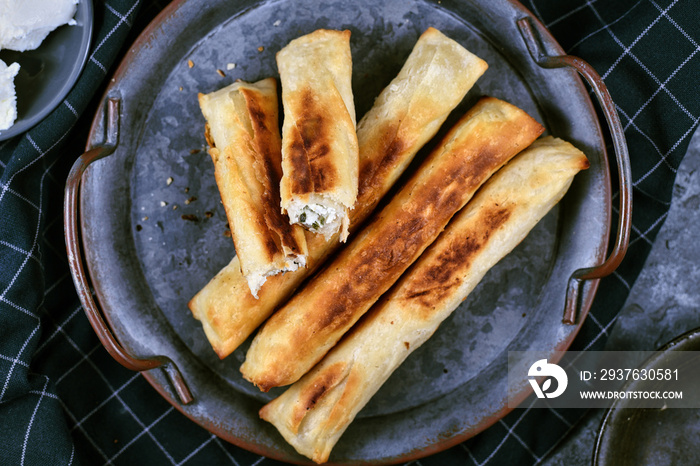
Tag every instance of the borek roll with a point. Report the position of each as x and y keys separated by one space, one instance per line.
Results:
x=244 y=143
x=319 y=140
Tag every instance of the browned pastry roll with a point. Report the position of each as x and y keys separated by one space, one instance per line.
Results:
x=406 y=114
x=298 y=335
x=244 y=143
x=314 y=412
x=319 y=142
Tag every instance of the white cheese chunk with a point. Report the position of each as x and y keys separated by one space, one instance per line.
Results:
x=8 y=99
x=24 y=24
x=323 y=219
x=257 y=278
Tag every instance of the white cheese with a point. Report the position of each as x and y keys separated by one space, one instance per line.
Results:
x=315 y=216
x=8 y=99
x=24 y=24
x=258 y=278
x=325 y=219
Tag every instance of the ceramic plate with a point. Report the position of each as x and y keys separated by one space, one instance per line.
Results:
x=633 y=435
x=49 y=72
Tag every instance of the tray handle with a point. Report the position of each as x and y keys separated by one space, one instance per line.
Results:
x=539 y=54
x=75 y=262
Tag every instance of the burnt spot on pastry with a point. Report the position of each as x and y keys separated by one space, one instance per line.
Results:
x=208 y=137
x=324 y=382
x=258 y=117
x=309 y=147
x=301 y=181
x=584 y=164
x=339 y=310
x=262 y=112
x=434 y=283
x=374 y=168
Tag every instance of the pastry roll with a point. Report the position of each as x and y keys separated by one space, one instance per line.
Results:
x=406 y=114
x=319 y=141
x=244 y=143
x=298 y=335
x=314 y=412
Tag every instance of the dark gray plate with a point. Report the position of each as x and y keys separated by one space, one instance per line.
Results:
x=48 y=73
x=146 y=262
x=633 y=435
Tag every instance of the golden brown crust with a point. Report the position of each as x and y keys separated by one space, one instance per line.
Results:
x=302 y=331
x=498 y=217
x=408 y=112
x=313 y=393
x=430 y=285
x=245 y=146
x=309 y=149
x=267 y=163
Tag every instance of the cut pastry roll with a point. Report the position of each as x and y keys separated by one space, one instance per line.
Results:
x=314 y=412
x=299 y=334
x=244 y=143
x=319 y=142
x=407 y=113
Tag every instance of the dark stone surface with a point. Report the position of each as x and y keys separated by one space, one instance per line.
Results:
x=663 y=302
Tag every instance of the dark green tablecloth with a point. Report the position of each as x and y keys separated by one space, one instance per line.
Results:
x=63 y=400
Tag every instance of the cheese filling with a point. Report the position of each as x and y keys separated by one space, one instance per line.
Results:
x=316 y=217
x=8 y=99
x=257 y=280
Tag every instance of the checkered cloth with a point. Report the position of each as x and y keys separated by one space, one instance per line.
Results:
x=63 y=400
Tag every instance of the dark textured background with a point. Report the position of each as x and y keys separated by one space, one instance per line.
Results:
x=63 y=400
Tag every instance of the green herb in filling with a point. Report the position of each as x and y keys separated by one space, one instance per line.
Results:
x=302 y=217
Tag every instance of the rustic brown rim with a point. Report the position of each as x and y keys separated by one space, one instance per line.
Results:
x=624 y=224
x=75 y=262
